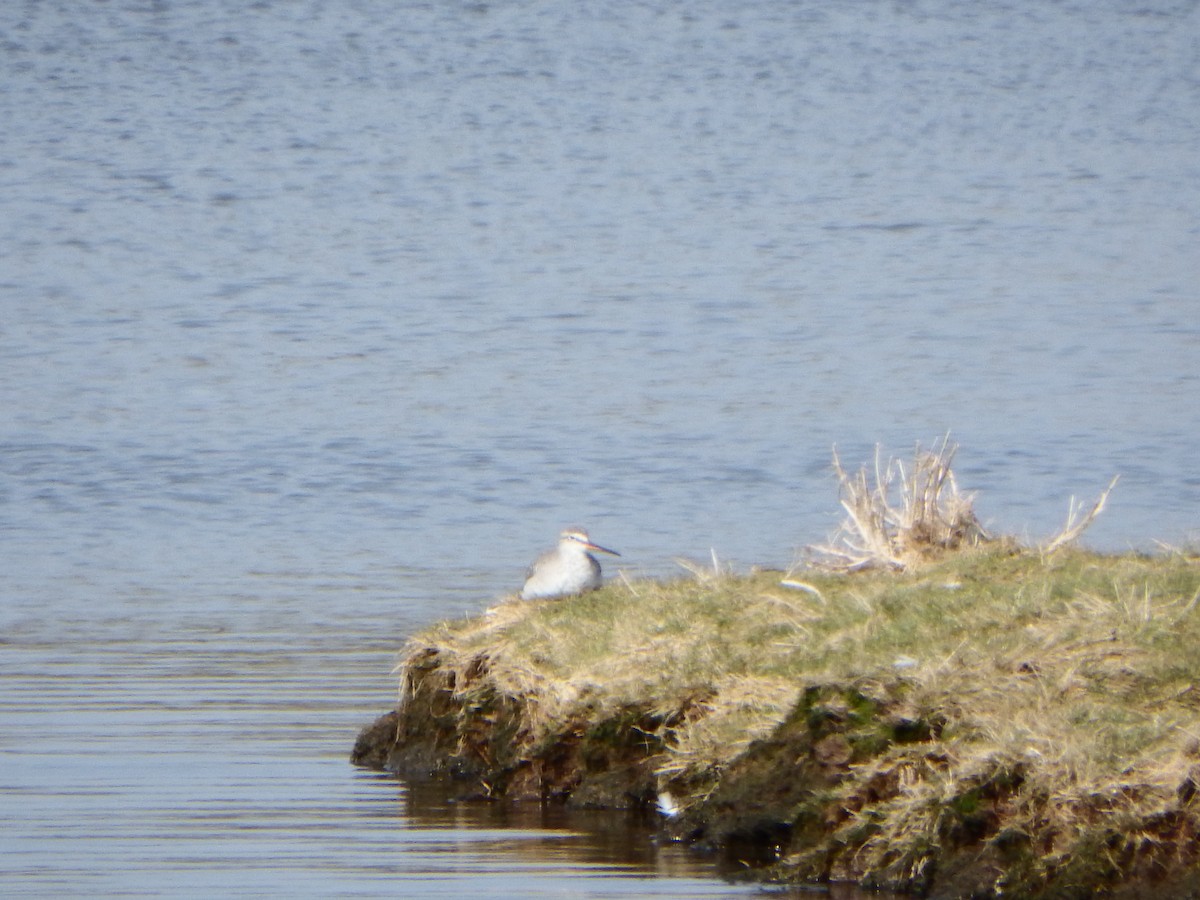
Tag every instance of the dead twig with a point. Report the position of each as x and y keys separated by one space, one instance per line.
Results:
x=1075 y=526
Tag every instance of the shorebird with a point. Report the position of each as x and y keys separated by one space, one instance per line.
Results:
x=567 y=569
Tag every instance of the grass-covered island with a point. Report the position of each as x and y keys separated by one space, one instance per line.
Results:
x=923 y=708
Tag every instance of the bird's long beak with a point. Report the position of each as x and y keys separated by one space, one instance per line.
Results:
x=600 y=549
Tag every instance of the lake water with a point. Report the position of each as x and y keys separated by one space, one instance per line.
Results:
x=319 y=319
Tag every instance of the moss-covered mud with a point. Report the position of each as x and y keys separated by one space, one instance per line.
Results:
x=999 y=723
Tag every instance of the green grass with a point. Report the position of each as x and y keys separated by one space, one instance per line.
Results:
x=1019 y=704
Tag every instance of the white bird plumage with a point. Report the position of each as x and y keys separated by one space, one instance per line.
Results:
x=568 y=569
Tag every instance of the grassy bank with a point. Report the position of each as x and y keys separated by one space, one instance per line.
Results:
x=1000 y=719
x=925 y=709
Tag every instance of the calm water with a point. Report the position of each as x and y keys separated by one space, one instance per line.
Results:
x=319 y=319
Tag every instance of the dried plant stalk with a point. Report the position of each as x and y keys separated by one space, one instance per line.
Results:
x=1075 y=526
x=931 y=515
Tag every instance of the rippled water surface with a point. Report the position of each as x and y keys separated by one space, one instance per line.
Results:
x=319 y=319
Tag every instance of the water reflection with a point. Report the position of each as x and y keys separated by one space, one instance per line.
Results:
x=620 y=848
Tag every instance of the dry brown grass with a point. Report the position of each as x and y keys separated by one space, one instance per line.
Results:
x=902 y=515
x=930 y=515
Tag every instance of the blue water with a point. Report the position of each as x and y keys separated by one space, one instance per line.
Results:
x=318 y=320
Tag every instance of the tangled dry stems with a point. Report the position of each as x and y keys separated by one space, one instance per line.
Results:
x=930 y=517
